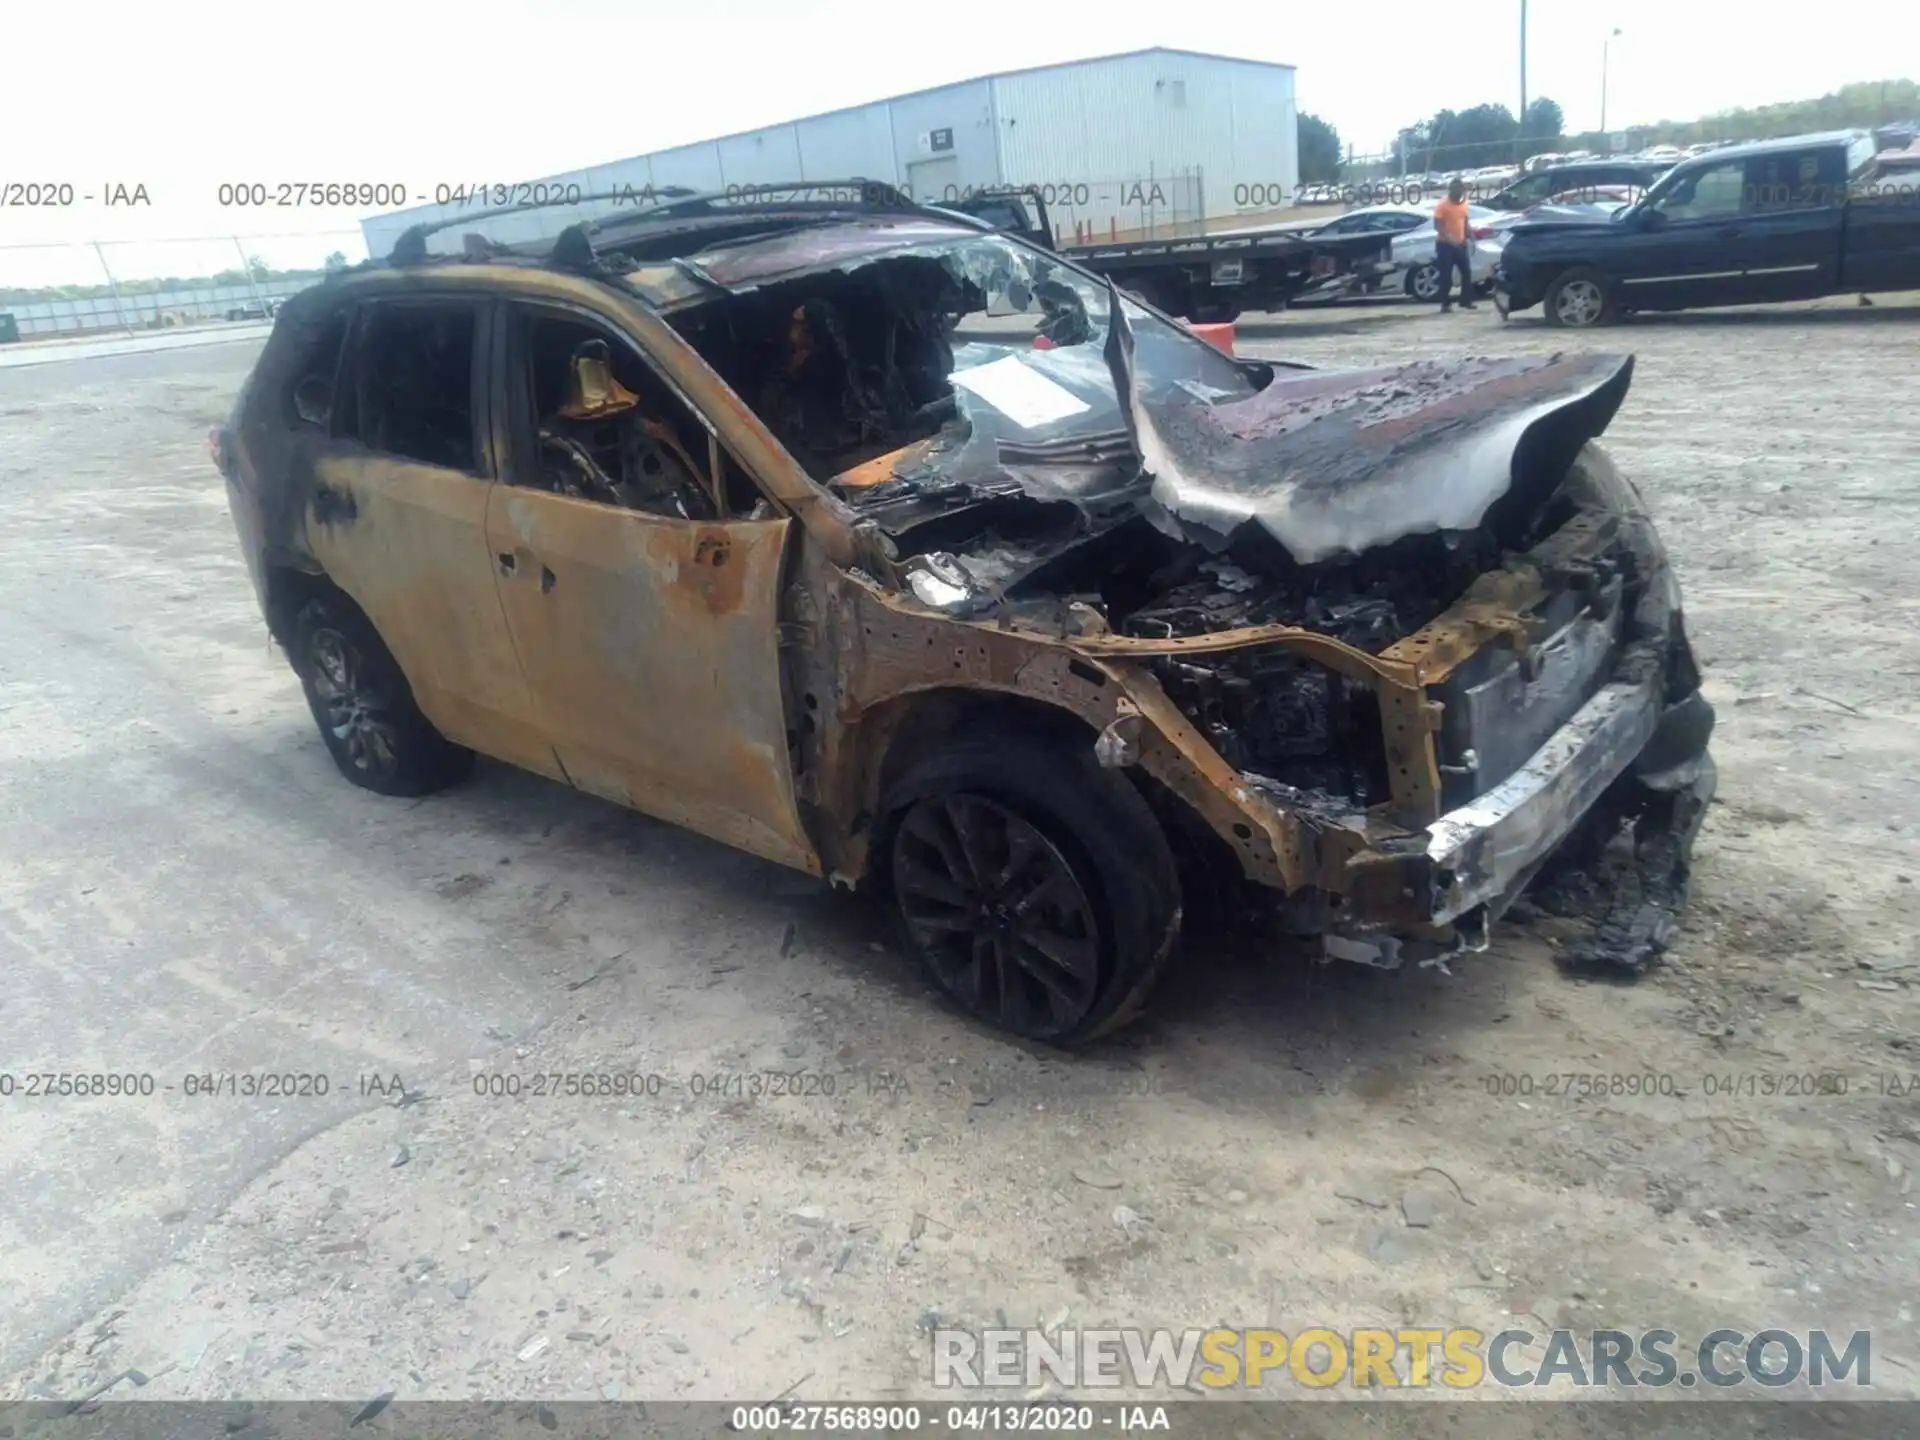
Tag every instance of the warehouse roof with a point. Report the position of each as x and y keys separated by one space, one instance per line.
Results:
x=953 y=85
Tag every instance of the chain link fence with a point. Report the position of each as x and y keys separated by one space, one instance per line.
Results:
x=54 y=289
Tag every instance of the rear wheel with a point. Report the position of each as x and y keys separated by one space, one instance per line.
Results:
x=1423 y=281
x=1037 y=888
x=1580 y=298
x=364 y=707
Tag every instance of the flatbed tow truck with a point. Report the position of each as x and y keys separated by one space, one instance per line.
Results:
x=1203 y=278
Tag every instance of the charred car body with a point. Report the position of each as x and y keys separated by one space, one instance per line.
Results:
x=904 y=553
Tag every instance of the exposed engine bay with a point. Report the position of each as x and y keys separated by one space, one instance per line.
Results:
x=1045 y=454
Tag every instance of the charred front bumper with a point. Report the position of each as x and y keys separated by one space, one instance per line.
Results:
x=1546 y=735
x=1623 y=739
x=1613 y=800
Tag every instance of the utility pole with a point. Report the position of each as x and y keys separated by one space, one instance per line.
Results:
x=1522 y=117
x=246 y=269
x=1604 y=46
x=119 y=307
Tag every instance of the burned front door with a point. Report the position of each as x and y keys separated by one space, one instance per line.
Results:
x=646 y=620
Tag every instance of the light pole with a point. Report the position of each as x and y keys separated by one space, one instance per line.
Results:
x=1604 y=44
x=1523 y=62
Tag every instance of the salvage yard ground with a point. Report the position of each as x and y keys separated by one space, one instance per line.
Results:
x=189 y=887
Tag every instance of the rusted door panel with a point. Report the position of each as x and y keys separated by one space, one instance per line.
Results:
x=652 y=650
x=408 y=542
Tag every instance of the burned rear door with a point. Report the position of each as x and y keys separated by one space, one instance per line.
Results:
x=645 y=616
x=397 y=517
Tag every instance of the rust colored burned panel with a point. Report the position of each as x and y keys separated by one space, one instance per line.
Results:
x=1407 y=717
x=871 y=659
x=652 y=648
x=886 y=658
x=880 y=469
x=1336 y=655
x=1501 y=604
x=1413 y=769
x=408 y=542
x=1494 y=607
x=1274 y=849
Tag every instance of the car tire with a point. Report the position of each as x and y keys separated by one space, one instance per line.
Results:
x=1037 y=888
x=364 y=707
x=1579 y=299
x=1216 y=312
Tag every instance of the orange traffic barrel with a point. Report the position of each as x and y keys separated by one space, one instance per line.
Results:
x=1218 y=336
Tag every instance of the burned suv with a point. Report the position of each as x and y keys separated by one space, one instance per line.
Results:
x=889 y=548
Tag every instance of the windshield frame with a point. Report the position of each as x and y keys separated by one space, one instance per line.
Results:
x=674 y=288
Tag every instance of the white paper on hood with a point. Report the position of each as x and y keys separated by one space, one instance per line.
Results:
x=1020 y=393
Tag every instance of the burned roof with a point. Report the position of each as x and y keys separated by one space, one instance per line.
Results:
x=732 y=264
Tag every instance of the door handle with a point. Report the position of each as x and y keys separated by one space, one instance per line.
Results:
x=506 y=562
x=546 y=581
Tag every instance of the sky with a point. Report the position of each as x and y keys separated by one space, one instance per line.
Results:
x=182 y=96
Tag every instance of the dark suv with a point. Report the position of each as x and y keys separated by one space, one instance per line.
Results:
x=901 y=552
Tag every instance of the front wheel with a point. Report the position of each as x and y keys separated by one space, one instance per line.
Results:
x=1578 y=299
x=1037 y=888
x=364 y=707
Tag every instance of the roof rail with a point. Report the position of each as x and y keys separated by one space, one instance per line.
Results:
x=411 y=247
x=871 y=196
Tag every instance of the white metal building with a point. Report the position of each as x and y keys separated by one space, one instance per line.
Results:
x=1122 y=144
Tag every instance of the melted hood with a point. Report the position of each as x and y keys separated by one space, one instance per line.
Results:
x=1342 y=462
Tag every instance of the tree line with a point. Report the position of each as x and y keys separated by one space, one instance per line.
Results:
x=1487 y=135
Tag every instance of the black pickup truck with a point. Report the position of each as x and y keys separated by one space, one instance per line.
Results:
x=1789 y=219
x=1205 y=278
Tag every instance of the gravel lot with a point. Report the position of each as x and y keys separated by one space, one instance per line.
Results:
x=189 y=887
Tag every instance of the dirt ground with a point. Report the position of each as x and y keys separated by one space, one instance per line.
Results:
x=188 y=887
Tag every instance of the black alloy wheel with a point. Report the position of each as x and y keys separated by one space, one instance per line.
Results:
x=999 y=913
x=365 y=709
x=358 y=714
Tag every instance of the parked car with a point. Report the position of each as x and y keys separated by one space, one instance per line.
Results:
x=712 y=510
x=1787 y=219
x=1575 y=184
x=1414 y=256
x=1904 y=163
x=1409 y=263
x=1505 y=222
